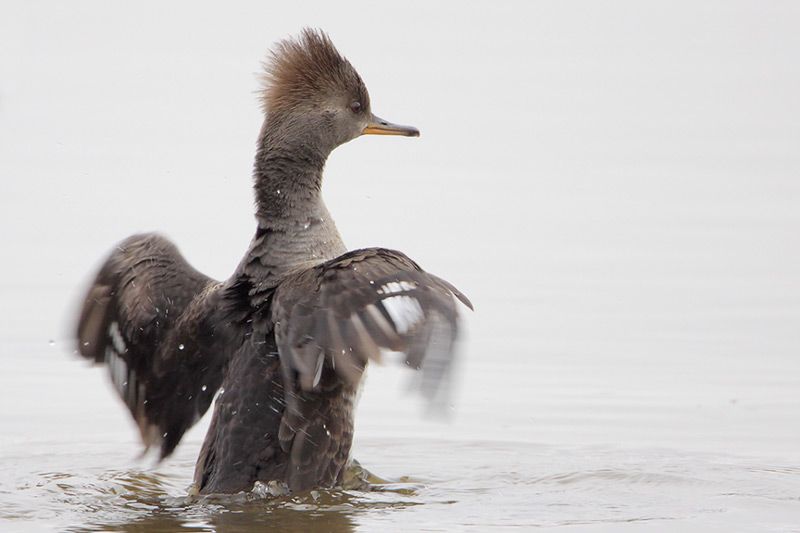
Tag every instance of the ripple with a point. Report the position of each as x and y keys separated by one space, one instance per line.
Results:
x=480 y=486
x=602 y=476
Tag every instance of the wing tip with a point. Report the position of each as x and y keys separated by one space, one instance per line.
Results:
x=457 y=293
x=464 y=300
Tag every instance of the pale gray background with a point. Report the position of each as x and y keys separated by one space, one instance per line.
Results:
x=614 y=184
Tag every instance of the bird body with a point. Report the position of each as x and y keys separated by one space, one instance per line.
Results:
x=286 y=338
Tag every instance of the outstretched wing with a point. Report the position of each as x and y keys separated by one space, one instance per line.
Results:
x=332 y=318
x=144 y=316
x=344 y=311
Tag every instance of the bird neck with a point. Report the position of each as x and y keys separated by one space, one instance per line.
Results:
x=288 y=174
x=295 y=229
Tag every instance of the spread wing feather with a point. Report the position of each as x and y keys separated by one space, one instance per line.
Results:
x=344 y=311
x=333 y=318
x=144 y=317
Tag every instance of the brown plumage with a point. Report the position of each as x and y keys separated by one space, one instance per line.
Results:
x=306 y=70
x=288 y=335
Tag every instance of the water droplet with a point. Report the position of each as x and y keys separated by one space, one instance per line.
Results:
x=306 y=225
x=180 y=346
x=203 y=388
x=165 y=434
x=86 y=343
x=51 y=342
x=279 y=191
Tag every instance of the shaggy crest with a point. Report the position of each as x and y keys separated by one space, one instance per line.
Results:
x=306 y=68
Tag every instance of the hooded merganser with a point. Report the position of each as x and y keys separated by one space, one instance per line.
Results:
x=287 y=337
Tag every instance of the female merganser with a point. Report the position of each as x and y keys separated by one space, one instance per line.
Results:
x=288 y=335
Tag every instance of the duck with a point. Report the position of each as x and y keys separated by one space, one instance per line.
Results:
x=280 y=347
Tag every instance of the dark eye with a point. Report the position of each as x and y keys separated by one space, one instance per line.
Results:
x=355 y=107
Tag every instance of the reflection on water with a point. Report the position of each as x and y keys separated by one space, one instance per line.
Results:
x=136 y=500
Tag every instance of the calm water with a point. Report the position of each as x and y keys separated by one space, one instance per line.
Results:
x=617 y=189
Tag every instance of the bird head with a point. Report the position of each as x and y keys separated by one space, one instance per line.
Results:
x=312 y=91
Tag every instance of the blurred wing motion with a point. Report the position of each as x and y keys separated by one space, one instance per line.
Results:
x=144 y=317
x=344 y=311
